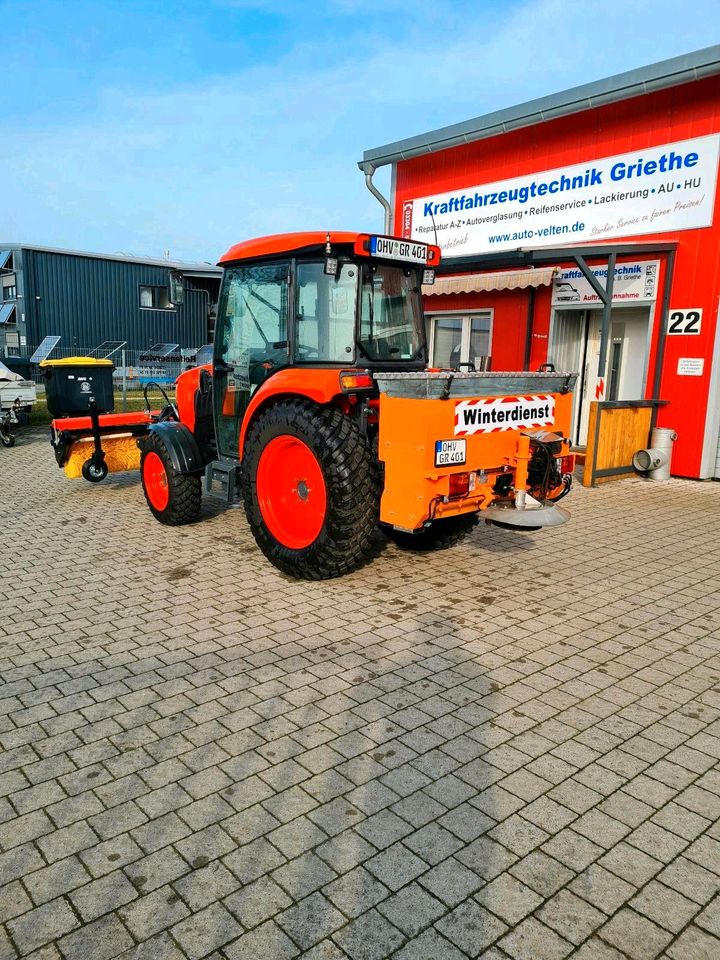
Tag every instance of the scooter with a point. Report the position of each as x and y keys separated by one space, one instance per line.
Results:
x=17 y=396
x=7 y=419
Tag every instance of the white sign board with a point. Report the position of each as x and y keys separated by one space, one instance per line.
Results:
x=687 y=322
x=690 y=366
x=670 y=187
x=633 y=281
x=494 y=414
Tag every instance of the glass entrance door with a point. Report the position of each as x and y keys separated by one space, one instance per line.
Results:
x=567 y=352
x=575 y=348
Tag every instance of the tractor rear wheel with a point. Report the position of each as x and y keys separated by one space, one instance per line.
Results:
x=174 y=498
x=311 y=491
x=440 y=535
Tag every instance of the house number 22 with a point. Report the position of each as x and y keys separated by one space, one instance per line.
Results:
x=684 y=321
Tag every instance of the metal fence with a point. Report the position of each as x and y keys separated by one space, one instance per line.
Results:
x=136 y=371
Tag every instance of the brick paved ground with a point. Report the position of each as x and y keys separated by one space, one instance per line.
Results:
x=507 y=750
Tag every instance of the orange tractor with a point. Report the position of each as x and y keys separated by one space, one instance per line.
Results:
x=320 y=410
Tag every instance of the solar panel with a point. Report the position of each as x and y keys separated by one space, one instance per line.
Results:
x=204 y=355
x=45 y=349
x=6 y=312
x=161 y=351
x=107 y=348
x=164 y=349
x=4 y=258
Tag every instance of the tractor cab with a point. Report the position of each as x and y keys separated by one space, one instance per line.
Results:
x=310 y=303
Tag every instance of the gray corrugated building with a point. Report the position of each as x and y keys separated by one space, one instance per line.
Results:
x=88 y=298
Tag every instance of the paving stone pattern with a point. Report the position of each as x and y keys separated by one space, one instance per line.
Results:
x=506 y=750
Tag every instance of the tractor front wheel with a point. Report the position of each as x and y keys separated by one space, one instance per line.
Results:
x=440 y=535
x=310 y=489
x=174 y=498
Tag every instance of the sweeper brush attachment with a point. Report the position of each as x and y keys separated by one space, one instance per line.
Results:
x=121 y=453
x=95 y=445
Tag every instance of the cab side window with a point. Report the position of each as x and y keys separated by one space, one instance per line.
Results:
x=326 y=313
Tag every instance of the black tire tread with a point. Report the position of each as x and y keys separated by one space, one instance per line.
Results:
x=185 y=490
x=440 y=535
x=87 y=471
x=349 y=536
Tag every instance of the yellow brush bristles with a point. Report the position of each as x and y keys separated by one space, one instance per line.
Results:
x=121 y=453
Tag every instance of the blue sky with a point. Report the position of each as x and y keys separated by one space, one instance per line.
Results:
x=138 y=127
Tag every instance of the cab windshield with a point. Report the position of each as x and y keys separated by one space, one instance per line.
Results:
x=387 y=298
x=391 y=318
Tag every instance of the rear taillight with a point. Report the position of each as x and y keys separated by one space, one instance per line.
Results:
x=459 y=484
x=355 y=380
x=567 y=464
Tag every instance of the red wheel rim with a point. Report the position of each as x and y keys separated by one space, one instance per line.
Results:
x=291 y=492
x=156 y=481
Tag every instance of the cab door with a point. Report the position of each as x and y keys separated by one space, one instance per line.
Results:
x=251 y=341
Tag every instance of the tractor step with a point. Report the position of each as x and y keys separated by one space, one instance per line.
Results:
x=222 y=473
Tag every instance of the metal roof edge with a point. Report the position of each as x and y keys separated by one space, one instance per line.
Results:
x=197 y=266
x=622 y=86
x=538 y=256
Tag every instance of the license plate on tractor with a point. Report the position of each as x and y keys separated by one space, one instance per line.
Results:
x=450 y=453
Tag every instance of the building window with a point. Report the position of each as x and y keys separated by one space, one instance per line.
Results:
x=461 y=339
x=155 y=298
x=9 y=292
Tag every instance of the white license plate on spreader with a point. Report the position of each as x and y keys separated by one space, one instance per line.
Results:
x=450 y=453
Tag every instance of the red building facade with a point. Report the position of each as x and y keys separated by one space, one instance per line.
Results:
x=645 y=158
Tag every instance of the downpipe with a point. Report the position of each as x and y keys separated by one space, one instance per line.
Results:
x=369 y=171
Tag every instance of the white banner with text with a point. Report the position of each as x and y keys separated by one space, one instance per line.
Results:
x=670 y=187
x=494 y=414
